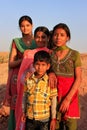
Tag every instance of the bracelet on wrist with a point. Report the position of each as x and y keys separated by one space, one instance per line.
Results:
x=54 y=119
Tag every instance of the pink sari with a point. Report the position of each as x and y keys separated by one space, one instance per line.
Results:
x=25 y=66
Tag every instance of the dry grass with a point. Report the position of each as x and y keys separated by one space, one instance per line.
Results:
x=4 y=57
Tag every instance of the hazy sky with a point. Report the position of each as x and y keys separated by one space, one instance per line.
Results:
x=47 y=13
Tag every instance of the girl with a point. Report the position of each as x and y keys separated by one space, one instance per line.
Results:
x=19 y=45
x=66 y=64
x=41 y=36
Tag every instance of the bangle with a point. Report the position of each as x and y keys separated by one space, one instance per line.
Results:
x=54 y=119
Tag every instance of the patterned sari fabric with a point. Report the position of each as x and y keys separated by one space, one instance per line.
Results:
x=26 y=66
x=11 y=90
x=65 y=71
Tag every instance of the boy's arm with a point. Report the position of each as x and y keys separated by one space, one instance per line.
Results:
x=53 y=113
x=53 y=107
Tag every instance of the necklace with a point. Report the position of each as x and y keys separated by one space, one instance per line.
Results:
x=28 y=42
x=61 y=52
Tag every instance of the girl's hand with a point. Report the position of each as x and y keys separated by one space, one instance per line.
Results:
x=64 y=105
x=28 y=75
x=52 y=80
x=4 y=111
x=23 y=117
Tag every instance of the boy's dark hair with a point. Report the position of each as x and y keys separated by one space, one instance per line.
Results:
x=42 y=56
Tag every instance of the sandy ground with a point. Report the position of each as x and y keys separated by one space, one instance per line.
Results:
x=3 y=79
x=82 y=122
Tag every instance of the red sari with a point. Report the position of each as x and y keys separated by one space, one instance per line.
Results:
x=11 y=87
x=11 y=90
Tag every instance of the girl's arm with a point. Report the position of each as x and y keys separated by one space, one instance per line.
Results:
x=52 y=80
x=13 y=59
x=65 y=103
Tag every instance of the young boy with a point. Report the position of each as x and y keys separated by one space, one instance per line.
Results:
x=39 y=97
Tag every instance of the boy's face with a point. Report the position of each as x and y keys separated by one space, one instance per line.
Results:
x=41 y=67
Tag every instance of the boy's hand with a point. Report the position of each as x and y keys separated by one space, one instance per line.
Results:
x=53 y=124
